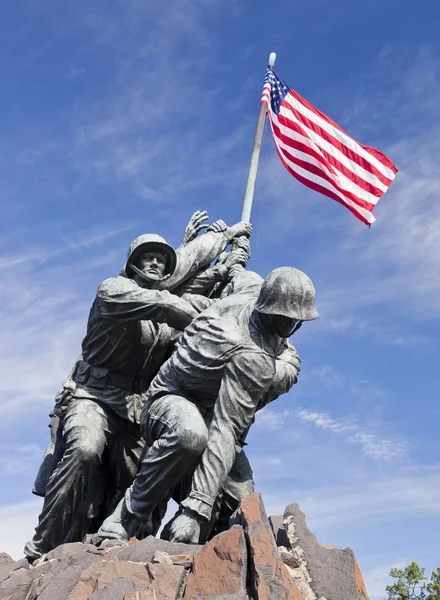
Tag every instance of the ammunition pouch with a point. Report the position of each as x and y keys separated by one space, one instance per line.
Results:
x=100 y=378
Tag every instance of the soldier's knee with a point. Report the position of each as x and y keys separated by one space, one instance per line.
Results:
x=193 y=441
x=86 y=455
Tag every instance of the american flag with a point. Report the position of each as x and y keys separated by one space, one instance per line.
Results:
x=317 y=152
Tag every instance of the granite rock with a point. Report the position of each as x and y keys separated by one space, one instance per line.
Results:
x=333 y=573
x=99 y=575
x=144 y=550
x=220 y=568
x=268 y=576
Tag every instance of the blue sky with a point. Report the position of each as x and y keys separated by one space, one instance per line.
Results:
x=123 y=117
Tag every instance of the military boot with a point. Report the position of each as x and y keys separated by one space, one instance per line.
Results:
x=120 y=525
x=32 y=551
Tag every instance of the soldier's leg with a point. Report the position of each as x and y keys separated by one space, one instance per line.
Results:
x=176 y=436
x=239 y=483
x=70 y=490
x=124 y=454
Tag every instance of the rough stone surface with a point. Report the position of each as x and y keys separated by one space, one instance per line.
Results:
x=183 y=560
x=269 y=578
x=99 y=575
x=5 y=559
x=8 y=569
x=17 y=586
x=333 y=573
x=280 y=534
x=116 y=590
x=362 y=590
x=62 y=582
x=148 y=595
x=166 y=580
x=234 y=596
x=107 y=545
x=144 y=550
x=162 y=557
x=220 y=568
x=70 y=553
x=145 y=595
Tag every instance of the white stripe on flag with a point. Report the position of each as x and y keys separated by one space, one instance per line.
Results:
x=347 y=162
x=341 y=136
x=339 y=178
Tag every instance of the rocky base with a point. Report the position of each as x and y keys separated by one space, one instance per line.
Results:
x=257 y=559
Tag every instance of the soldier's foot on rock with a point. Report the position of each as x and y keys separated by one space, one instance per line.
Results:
x=32 y=551
x=121 y=525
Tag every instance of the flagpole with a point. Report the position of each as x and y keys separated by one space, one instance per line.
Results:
x=250 y=187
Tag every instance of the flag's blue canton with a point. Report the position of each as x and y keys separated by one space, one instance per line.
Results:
x=278 y=89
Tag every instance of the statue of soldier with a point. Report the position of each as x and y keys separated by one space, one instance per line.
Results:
x=233 y=359
x=132 y=326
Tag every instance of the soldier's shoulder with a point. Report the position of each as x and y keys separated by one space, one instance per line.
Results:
x=113 y=284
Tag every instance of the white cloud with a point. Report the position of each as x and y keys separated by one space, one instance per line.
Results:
x=19 y=459
x=17 y=523
x=370 y=444
x=378 y=448
x=411 y=493
x=323 y=421
x=271 y=419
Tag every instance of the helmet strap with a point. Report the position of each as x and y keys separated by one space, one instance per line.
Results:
x=145 y=277
x=297 y=326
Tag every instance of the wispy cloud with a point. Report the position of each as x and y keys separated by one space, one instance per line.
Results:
x=17 y=522
x=414 y=490
x=69 y=244
x=370 y=444
x=18 y=459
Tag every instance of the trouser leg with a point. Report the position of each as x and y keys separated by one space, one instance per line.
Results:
x=210 y=476
x=239 y=483
x=124 y=454
x=176 y=435
x=69 y=492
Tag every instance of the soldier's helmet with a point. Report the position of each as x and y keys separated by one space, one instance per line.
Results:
x=150 y=242
x=289 y=292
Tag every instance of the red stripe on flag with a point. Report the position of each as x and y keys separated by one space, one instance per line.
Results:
x=328 y=160
x=376 y=153
x=348 y=152
x=320 y=173
x=322 y=190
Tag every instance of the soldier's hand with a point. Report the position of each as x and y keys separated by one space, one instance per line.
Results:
x=234 y=271
x=217 y=227
x=64 y=395
x=240 y=229
x=195 y=226
x=236 y=257
x=243 y=243
x=185 y=528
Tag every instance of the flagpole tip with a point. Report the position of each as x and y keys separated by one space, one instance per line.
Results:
x=272 y=58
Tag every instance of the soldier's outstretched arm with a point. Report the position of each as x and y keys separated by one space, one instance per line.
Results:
x=204 y=281
x=122 y=300
x=198 y=254
x=246 y=378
